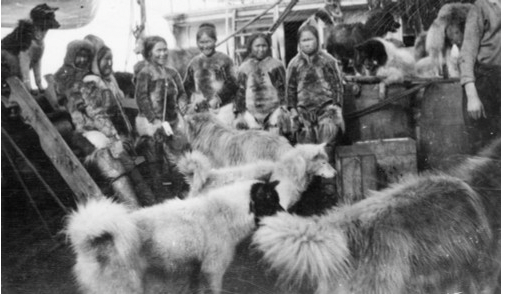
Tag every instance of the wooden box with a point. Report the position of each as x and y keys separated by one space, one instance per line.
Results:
x=356 y=173
x=372 y=165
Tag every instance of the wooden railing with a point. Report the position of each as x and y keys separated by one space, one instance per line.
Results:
x=53 y=144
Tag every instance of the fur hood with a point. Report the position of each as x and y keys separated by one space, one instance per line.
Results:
x=73 y=47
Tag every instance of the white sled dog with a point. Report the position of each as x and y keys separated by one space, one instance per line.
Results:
x=165 y=248
x=226 y=146
x=294 y=171
x=428 y=234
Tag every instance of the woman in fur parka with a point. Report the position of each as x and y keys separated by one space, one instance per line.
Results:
x=210 y=80
x=261 y=80
x=110 y=96
x=161 y=98
x=72 y=93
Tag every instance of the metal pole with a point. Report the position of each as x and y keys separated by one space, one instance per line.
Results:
x=249 y=23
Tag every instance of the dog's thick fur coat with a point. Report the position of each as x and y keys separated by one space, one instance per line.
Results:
x=225 y=146
x=383 y=59
x=428 y=234
x=22 y=49
x=162 y=248
x=294 y=170
x=445 y=32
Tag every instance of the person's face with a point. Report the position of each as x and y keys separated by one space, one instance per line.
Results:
x=455 y=35
x=206 y=44
x=308 y=43
x=160 y=53
x=82 y=59
x=259 y=48
x=105 y=64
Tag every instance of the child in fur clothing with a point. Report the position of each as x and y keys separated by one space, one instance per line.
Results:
x=315 y=90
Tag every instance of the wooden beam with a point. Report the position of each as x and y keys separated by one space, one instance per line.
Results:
x=53 y=144
x=249 y=23
x=283 y=16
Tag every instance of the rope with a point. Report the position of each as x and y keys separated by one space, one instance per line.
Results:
x=381 y=104
x=35 y=171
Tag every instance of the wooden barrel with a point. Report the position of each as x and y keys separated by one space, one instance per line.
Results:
x=392 y=121
x=442 y=138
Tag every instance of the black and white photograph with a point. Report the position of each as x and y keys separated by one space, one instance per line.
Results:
x=251 y=147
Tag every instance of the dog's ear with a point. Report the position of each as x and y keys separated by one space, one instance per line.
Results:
x=266 y=177
x=273 y=184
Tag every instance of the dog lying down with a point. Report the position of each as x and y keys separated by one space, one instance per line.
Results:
x=225 y=146
x=173 y=247
x=294 y=171
x=428 y=234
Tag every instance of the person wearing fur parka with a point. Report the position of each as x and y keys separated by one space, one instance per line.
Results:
x=76 y=65
x=261 y=80
x=109 y=96
x=315 y=98
x=314 y=91
x=161 y=99
x=210 y=80
x=73 y=93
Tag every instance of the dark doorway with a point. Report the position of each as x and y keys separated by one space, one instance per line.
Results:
x=291 y=40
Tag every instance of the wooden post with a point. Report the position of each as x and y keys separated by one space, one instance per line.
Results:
x=53 y=144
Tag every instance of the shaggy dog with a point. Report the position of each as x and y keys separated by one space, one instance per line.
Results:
x=343 y=38
x=294 y=171
x=428 y=234
x=443 y=38
x=226 y=146
x=167 y=247
x=22 y=49
x=383 y=59
x=243 y=122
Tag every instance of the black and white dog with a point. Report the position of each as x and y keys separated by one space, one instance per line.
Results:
x=22 y=49
x=343 y=38
x=383 y=59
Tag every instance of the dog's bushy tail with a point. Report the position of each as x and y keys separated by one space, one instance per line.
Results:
x=195 y=167
x=303 y=251
x=106 y=241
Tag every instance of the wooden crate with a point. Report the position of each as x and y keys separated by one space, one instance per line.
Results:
x=372 y=165
x=356 y=173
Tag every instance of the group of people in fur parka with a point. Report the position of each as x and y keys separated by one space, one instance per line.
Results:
x=310 y=92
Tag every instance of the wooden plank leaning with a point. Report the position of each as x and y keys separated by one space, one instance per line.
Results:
x=53 y=144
